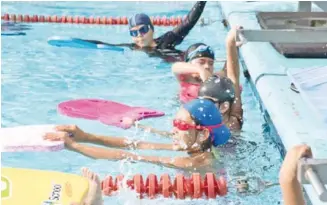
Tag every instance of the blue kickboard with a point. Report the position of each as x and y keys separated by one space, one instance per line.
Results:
x=80 y=43
x=13 y=33
x=312 y=85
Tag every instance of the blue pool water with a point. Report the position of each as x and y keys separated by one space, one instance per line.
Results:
x=36 y=77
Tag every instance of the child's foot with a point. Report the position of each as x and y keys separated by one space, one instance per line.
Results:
x=94 y=196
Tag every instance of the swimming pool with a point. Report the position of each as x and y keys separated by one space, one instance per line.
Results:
x=36 y=77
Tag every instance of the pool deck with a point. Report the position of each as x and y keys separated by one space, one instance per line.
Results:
x=289 y=112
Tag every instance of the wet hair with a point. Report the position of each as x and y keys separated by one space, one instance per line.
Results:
x=219 y=88
x=207 y=144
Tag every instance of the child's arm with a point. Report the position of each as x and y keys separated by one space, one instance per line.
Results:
x=116 y=154
x=183 y=69
x=101 y=153
x=290 y=186
x=121 y=142
x=174 y=162
x=179 y=162
x=155 y=131
x=70 y=133
x=189 y=22
x=233 y=72
x=232 y=63
x=129 y=122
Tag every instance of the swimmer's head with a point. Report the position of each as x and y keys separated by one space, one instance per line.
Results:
x=141 y=30
x=198 y=126
x=202 y=55
x=220 y=90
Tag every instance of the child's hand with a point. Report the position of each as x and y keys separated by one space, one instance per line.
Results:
x=61 y=136
x=204 y=74
x=72 y=130
x=239 y=44
x=288 y=170
x=128 y=122
x=177 y=147
x=231 y=36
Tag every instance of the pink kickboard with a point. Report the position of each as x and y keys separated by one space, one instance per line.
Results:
x=107 y=112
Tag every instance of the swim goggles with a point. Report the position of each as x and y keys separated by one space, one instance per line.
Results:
x=181 y=125
x=141 y=31
x=204 y=51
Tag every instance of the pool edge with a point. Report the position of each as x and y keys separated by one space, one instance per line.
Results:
x=271 y=89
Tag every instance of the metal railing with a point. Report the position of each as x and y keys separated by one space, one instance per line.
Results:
x=283 y=36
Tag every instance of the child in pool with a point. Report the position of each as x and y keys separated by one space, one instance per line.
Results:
x=226 y=96
x=230 y=105
x=199 y=66
x=197 y=127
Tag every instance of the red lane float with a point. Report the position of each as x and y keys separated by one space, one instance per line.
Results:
x=181 y=187
x=158 y=21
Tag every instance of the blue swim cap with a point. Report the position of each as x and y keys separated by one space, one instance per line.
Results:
x=205 y=113
x=140 y=19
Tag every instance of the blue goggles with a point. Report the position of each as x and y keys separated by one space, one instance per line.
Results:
x=141 y=31
x=201 y=51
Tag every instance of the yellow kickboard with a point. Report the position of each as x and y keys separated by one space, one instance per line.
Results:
x=28 y=186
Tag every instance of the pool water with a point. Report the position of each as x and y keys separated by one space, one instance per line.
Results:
x=36 y=77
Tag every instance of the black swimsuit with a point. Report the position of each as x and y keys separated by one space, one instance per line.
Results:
x=166 y=43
